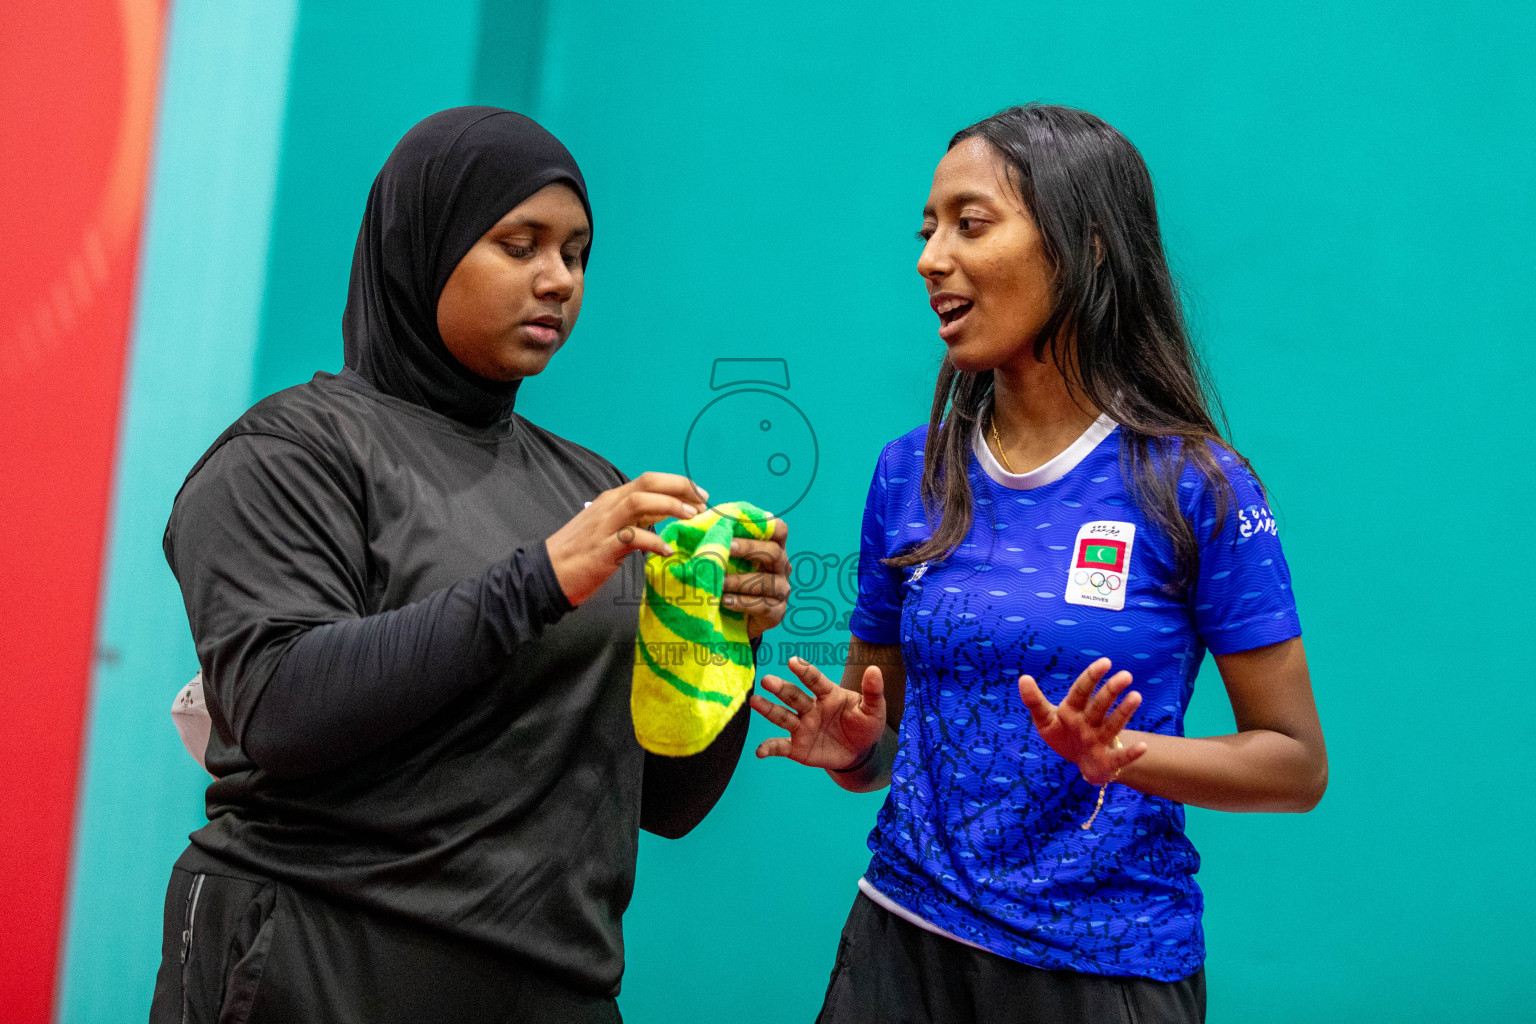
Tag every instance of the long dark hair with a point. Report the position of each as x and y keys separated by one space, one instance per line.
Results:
x=1091 y=197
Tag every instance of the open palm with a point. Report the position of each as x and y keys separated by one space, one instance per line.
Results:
x=1082 y=728
x=833 y=728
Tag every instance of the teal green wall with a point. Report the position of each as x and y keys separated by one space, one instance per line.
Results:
x=363 y=73
x=1346 y=193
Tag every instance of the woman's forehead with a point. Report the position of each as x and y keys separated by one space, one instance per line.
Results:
x=556 y=206
x=970 y=172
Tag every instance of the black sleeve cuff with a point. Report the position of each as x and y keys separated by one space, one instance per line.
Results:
x=551 y=599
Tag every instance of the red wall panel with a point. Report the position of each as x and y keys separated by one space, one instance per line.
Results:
x=77 y=92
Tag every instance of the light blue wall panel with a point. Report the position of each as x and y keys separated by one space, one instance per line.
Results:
x=196 y=322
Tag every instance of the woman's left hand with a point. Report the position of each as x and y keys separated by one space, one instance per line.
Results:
x=1082 y=728
x=762 y=596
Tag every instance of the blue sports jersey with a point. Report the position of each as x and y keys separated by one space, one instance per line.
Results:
x=980 y=833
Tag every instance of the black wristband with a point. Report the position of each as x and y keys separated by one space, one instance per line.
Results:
x=860 y=763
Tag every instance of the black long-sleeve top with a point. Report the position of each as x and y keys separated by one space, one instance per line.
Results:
x=407 y=712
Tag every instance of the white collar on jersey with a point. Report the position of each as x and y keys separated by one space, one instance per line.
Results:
x=1053 y=470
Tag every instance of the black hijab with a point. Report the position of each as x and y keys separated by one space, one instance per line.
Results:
x=449 y=179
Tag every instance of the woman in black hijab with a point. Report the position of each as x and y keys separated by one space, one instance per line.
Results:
x=416 y=632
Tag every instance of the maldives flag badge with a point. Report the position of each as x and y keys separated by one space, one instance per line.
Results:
x=1101 y=565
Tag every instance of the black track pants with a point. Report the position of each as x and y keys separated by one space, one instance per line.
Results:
x=889 y=971
x=239 y=949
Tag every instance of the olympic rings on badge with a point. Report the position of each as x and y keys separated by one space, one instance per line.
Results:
x=1104 y=583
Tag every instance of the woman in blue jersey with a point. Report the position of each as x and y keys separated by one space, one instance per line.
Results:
x=1069 y=523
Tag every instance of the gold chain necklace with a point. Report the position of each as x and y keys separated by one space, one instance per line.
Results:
x=999 y=442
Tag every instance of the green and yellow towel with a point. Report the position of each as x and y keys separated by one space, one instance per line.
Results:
x=693 y=661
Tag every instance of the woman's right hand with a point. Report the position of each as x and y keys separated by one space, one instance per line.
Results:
x=588 y=549
x=833 y=729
